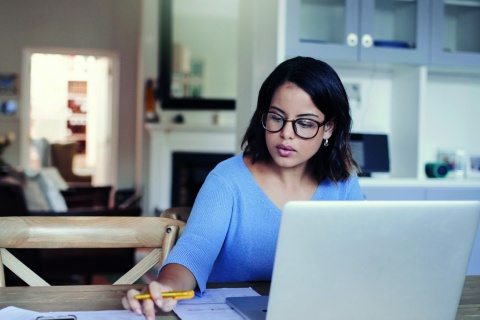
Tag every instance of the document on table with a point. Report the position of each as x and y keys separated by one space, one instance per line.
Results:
x=14 y=313
x=212 y=305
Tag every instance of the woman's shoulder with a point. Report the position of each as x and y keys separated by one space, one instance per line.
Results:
x=348 y=189
x=352 y=179
x=231 y=171
x=234 y=162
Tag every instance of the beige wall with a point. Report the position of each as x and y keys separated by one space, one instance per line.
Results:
x=107 y=25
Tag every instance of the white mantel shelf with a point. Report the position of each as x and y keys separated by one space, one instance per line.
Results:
x=174 y=127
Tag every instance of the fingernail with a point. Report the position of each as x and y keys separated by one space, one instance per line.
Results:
x=158 y=302
x=138 y=311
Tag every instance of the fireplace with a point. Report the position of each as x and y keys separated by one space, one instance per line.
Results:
x=189 y=170
x=207 y=144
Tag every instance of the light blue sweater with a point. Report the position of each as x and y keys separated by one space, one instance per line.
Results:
x=232 y=230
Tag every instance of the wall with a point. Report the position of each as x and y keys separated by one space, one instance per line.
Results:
x=107 y=25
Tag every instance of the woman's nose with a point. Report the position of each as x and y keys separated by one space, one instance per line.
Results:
x=288 y=131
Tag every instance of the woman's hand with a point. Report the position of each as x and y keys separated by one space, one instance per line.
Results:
x=148 y=306
x=173 y=277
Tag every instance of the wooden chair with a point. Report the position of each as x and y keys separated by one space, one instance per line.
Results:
x=159 y=234
x=178 y=213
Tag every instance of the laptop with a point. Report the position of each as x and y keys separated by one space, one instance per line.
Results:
x=368 y=260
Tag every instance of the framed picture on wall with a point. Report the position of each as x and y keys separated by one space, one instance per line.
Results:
x=473 y=168
x=8 y=84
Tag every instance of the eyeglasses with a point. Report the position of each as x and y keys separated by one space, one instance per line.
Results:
x=304 y=128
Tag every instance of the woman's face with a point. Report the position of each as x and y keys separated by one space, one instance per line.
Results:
x=287 y=149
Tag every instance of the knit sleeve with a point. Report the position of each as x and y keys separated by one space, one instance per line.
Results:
x=206 y=229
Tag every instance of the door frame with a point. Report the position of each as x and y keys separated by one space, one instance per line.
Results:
x=24 y=138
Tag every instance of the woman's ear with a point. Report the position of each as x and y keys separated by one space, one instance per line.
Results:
x=328 y=129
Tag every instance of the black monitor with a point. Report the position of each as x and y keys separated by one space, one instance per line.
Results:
x=370 y=151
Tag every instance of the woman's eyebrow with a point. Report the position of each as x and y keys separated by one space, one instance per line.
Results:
x=277 y=109
x=298 y=116
x=307 y=115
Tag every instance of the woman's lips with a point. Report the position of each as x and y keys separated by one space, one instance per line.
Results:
x=285 y=151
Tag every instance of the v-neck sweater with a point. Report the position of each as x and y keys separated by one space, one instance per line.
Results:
x=231 y=234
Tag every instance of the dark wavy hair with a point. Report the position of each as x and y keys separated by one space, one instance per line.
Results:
x=326 y=90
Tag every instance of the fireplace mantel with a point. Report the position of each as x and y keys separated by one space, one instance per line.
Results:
x=168 y=138
x=173 y=127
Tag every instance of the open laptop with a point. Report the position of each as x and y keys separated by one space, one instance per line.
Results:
x=368 y=260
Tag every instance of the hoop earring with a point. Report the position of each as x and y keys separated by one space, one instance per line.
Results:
x=325 y=143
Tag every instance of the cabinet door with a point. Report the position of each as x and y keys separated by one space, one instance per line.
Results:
x=323 y=29
x=394 y=31
x=453 y=194
x=393 y=193
x=455 y=33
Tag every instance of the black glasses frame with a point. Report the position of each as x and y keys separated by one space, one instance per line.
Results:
x=294 y=122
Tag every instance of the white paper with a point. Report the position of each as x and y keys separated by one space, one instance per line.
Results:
x=212 y=305
x=14 y=313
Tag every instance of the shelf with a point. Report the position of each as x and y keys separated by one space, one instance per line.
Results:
x=189 y=128
x=463 y=3
x=77 y=136
x=420 y=183
x=9 y=118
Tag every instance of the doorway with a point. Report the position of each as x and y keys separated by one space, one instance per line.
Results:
x=70 y=98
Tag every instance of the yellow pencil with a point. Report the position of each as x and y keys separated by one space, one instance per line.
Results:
x=177 y=295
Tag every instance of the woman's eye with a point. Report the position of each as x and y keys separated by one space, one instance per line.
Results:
x=277 y=118
x=304 y=123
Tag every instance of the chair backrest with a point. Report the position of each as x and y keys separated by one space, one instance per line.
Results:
x=178 y=213
x=157 y=233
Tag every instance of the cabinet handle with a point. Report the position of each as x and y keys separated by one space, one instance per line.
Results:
x=352 y=39
x=367 y=41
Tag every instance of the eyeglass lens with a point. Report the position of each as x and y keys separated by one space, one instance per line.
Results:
x=303 y=127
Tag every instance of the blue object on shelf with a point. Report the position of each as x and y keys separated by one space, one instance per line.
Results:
x=391 y=43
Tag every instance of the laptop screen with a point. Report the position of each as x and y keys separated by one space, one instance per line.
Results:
x=372 y=259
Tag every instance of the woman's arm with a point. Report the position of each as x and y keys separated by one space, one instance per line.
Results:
x=173 y=277
x=177 y=277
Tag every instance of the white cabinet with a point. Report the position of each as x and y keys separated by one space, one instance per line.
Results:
x=455 y=33
x=460 y=193
x=428 y=99
x=436 y=32
x=389 y=31
x=394 y=193
x=413 y=189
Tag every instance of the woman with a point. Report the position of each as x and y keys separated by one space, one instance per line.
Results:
x=295 y=148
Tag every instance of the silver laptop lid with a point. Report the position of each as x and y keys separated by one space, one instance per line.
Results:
x=372 y=259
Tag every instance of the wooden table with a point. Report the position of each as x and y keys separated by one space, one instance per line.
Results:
x=107 y=297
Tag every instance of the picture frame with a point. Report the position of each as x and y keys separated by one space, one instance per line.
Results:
x=8 y=107
x=455 y=159
x=473 y=167
x=8 y=84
